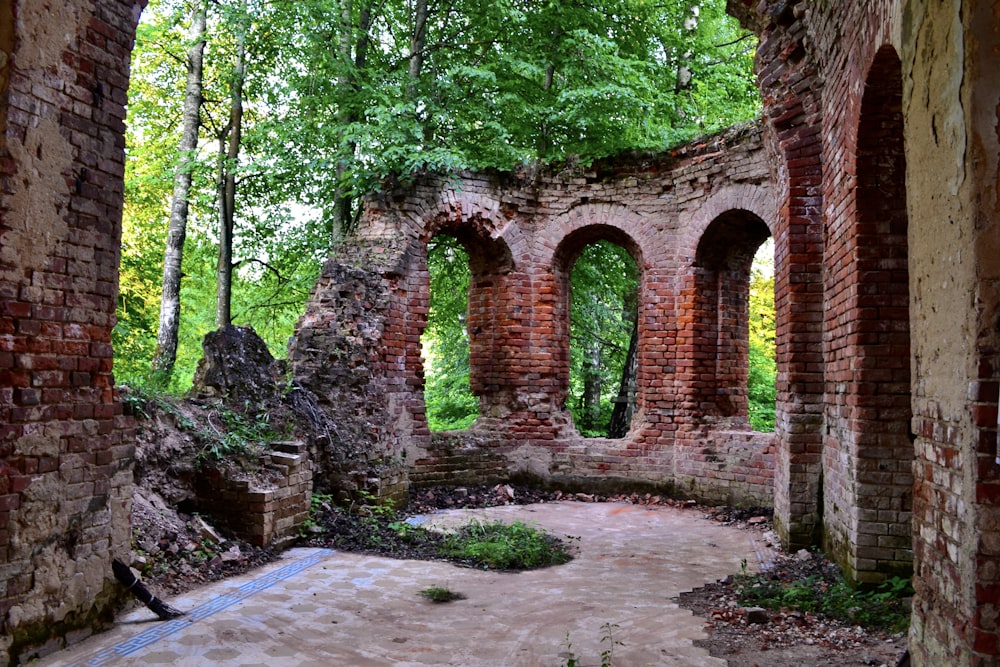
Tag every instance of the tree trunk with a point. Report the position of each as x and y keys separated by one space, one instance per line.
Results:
x=592 y=387
x=621 y=416
x=170 y=304
x=343 y=203
x=227 y=203
x=418 y=41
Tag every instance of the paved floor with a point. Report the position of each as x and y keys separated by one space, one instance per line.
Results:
x=321 y=607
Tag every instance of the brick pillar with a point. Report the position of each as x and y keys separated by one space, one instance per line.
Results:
x=790 y=83
x=65 y=448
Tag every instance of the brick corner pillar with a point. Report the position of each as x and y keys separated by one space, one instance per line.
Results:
x=65 y=445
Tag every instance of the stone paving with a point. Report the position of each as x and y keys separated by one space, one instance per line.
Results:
x=323 y=607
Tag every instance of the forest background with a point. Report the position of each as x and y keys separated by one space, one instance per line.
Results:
x=256 y=126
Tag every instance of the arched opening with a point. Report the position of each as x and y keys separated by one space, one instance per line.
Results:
x=873 y=353
x=444 y=343
x=728 y=291
x=761 y=353
x=599 y=274
x=603 y=339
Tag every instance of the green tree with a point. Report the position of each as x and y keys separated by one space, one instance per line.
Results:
x=448 y=397
x=603 y=310
x=345 y=97
x=762 y=368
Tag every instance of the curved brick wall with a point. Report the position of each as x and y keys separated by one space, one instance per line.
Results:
x=521 y=231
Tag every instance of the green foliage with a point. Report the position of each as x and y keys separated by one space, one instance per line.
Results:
x=501 y=83
x=450 y=402
x=604 y=283
x=236 y=438
x=607 y=654
x=761 y=353
x=501 y=546
x=440 y=594
x=883 y=608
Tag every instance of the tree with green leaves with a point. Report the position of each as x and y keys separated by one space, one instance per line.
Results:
x=341 y=98
x=170 y=303
x=762 y=368
x=447 y=395
x=603 y=315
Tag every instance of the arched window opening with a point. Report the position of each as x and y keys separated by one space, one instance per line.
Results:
x=762 y=372
x=603 y=336
x=451 y=405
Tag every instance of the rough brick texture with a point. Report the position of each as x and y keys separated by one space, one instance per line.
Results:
x=267 y=508
x=692 y=219
x=887 y=314
x=898 y=185
x=65 y=448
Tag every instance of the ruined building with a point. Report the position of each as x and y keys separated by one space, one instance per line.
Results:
x=875 y=169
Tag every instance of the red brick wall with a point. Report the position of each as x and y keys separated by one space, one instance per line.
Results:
x=901 y=96
x=692 y=219
x=65 y=450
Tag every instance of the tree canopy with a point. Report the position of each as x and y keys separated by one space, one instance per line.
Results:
x=340 y=97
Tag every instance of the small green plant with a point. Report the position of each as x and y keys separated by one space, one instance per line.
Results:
x=238 y=437
x=317 y=503
x=607 y=654
x=882 y=608
x=441 y=594
x=501 y=546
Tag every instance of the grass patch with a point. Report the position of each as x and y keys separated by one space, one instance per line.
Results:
x=500 y=546
x=386 y=532
x=884 y=608
x=441 y=594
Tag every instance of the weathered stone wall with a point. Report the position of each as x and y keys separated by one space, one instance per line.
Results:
x=846 y=83
x=692 y=219
x=65 y=452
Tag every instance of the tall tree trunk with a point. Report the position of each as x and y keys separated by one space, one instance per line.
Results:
x=170 y=304
x=418 y=42
x=227 y=203
x=592 y=386
x=343 y=203
x=621 y=416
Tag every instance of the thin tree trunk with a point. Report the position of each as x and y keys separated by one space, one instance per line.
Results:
x=592 y=387
x=170 y=304
x=227 y=207
x=621 y=416
x=343 y=203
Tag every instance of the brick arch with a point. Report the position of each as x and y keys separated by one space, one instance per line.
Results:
x=716 y=296
x=758 y=202
x=604 y=220
x=867 y=446
x=491 y=291
x=563 y=259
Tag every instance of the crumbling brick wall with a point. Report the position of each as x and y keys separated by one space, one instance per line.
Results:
x=897 y=460
x=692 y=219
x=835 y=118
x=65 y=449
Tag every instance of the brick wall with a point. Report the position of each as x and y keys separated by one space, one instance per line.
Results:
x=692 y=219
x=267 y=508
x=901 y=99
x=65 y=448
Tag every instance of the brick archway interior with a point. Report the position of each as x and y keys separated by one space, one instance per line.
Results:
x=868 y=447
